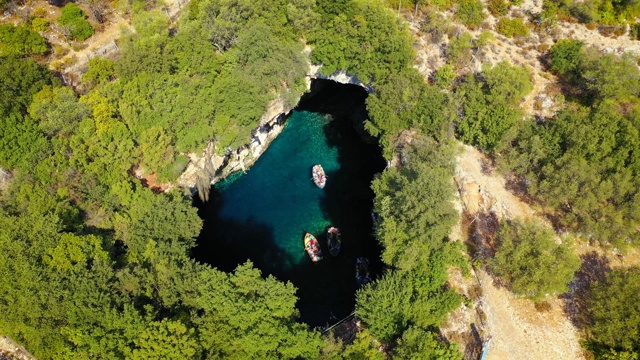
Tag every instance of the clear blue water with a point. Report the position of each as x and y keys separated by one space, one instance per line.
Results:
x=278 y=190
x=263 y=215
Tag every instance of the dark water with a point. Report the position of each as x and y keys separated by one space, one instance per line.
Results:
x=262 y=215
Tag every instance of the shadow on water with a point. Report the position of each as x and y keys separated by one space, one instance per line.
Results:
x=234 y=242
x=326 y=290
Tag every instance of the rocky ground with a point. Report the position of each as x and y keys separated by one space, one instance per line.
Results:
x=515 y=327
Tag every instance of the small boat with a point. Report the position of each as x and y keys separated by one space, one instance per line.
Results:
x=362 y=271
x=318 y=176
x=313 y=247
x=333 y=240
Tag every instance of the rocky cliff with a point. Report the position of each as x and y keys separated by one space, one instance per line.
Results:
x=207 y=168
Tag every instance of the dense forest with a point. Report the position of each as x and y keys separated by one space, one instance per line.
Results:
x=98 y=265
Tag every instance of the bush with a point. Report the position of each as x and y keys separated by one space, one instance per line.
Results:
x=614 y=310
x=100 y=70
x=498 y=7
x=172 y=171
x=565 y=56
x=529 y=259
x=634 y=33
x=512 y=27
x=73 y=18
x=39 y=25
x=20 y=40
x=470 y=13
x=459 y=50
x=444 y=76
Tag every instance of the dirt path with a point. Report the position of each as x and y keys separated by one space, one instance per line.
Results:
x=481 y=189
x=519 y=331
x=104 y=43
x=516 y=329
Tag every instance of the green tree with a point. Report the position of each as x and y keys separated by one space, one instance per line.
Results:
x=364 y=347
x=470 y=13
x=490 y=107
x=444 y=76
x=529 y=259
x=383 y=306
x=22 y=143
x=246 y=316
x=406 y=101
x=583 y=164
x=565 y=56
x=165 y=340
x=20 y=79
x=419 y=344
x=20 y=40
x=302 y=17
x=615 y=313
x=507 y=83
x=611 y=76
x=512 y=27
x=57 y=110
x=157 y=152
x=100 y=70
x=367 y=42
x=459 y=50
x=390 y=305
x=73 y=18
x=414 y=204
x=151 y=23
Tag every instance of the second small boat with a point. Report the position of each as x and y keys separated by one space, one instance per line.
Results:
x=318 y=176
x=312 y=246
x=333 y=240
x=362 y=271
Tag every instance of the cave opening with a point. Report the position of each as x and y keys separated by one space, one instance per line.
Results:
x=262 y=215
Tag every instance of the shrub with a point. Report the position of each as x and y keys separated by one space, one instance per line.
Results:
x=459 y=50
x=615 y=313
x=470 y=13
x=512 y=27
x=565 y=56
x=532 y=263
x=498 y=7
x=634 y=33
x=74 y=19
x=20 y=40
x=39 y=25
x=444 y=76
x=100 y=70
x=485 y=38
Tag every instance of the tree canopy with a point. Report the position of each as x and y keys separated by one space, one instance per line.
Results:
x=614 y=330
x=100 y=263
x=584 y=161
x=531 y=262
x=490 y=105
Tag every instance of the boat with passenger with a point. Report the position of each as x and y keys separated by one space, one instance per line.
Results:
x=312 y=246
x=319 y=176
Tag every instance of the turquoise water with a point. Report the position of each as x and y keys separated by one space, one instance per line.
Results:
x=278 y=190
x=263 y=215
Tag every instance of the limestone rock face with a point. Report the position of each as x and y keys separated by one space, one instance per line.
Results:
x=216 y=167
